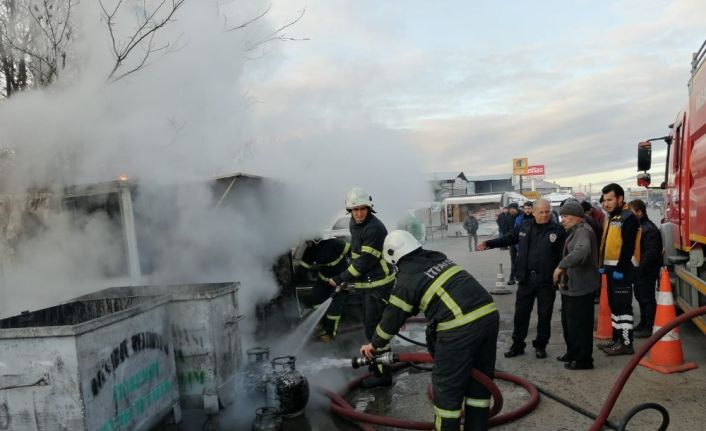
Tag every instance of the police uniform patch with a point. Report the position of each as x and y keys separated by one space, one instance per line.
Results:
x=552 y=237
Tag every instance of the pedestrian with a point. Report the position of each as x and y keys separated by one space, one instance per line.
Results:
x=594 y=218
x=526 y=214
x=326 y=258
x=619 y=256
x=540 y=249
x=513 y=212
x=462 y=332
x=577 y=278
x=471 y=226
x=647 y=270
x=368 y=272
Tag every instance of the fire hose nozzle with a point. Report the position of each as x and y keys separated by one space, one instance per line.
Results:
x=341 y=288
x=387 y=358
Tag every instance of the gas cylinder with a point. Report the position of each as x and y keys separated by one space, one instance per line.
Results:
x=267 y=419
x=287 y=388
x=255 y=372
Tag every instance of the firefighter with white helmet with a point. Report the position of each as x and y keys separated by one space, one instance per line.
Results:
x=368 y=272
x=461 y=335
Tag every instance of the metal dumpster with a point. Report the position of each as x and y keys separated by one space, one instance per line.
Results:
x=103 y=365
x=203 y=321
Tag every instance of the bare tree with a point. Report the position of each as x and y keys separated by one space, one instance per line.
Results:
x=34 y=40
x=142 y=42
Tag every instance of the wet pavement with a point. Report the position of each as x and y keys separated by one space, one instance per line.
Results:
x=327 y=365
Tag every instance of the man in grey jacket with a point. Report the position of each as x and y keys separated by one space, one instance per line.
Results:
x=471 y=226
x=577 y=278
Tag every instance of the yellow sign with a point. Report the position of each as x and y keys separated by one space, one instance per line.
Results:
x=519 y=166
x=531 y=194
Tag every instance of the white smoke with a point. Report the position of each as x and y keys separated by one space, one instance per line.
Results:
x=187 y=116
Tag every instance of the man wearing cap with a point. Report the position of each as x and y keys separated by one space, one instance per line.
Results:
x=577 y=279
x=541 y=242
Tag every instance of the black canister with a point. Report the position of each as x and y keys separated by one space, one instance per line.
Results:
x=288 y=388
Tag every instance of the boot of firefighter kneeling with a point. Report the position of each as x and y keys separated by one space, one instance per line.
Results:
x=380 y=375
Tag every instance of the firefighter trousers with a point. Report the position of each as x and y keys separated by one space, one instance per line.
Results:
x=331 y=320
x=620 y=301
x=456 y=352
x=374 y=303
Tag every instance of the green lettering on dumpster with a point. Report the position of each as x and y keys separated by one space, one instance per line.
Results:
x=123 y=418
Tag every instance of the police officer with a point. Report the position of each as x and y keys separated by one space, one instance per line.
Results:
x=462 y=332
x=368 y=272
x=619 y=255
x=326 y=258
x=540 y=243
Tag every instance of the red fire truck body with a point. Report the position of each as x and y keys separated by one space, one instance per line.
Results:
x=684 y=223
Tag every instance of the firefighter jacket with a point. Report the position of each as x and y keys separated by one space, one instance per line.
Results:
x=650 y=248
x=620 y=246
x=367 y=268
x=549 y=252
x=429 y=282
x=327 y=258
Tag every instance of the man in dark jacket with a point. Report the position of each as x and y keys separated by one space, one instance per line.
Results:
x=647 y=270
x=577 y=279
x=462 y=333
x=471 y=227
x=540 y=249
x=368 y=272
x=326 y=258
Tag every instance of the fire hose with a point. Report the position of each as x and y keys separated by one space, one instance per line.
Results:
x=344 y=409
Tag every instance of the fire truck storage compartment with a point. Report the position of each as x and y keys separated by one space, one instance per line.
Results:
x=203 y=322
x=103 y=365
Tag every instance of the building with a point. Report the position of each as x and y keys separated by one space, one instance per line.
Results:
x=447 y=184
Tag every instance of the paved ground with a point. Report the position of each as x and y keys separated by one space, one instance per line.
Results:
x=681 y=394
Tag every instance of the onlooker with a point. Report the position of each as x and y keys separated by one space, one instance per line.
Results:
x=541 y=241
x=648 y=270
x=526 y=214
x=620 y=254
x=471 y=226
x=577 y=279
x=594 y=218
x=513 y=210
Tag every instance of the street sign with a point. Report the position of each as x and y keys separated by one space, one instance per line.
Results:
x=519 y=166
x=535 y=170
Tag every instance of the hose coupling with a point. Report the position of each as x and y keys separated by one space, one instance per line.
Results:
x=387 y=358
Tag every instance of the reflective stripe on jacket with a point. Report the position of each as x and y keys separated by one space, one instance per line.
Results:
x=447 y=294
x=367 y=268
x=620 y=245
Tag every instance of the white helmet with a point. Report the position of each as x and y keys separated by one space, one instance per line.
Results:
x=358 y=197
x=398 y=244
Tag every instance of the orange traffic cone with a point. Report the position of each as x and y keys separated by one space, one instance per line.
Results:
x=604 y=330
x=666 y=356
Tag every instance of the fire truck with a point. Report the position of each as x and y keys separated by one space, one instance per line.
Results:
x=684 y=223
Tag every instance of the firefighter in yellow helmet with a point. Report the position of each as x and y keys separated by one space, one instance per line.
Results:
x=368 y=272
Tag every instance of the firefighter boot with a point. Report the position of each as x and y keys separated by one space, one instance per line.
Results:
x=381 y=375
x=476 y=418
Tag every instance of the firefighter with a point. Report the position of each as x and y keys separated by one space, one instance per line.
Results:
x=462 y=333
x=368 y=272
x=326 y=258
x=619 y=255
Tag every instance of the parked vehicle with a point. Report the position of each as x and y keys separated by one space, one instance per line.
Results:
x=684 y=223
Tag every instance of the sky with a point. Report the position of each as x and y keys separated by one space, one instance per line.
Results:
x=356 y=93
x=467 y=86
